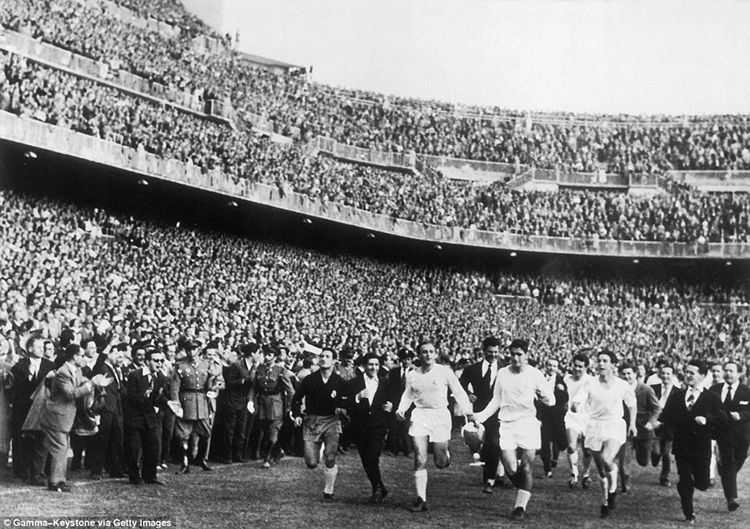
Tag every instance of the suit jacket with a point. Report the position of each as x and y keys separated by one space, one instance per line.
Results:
x=23 y=386
x=647 y=410
x=60 y=408
x=691 y=439
x=238 y=382
x=143 y=394
x=364 y=413
x=555 y=413
x=741 y=404
x=397 y=384
x=472 y=376
x=112 y=394
x=664 y=432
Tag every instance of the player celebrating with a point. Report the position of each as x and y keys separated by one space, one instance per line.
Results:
x=576 y=422
x=607 y=431
x=427 y=388
x=517 y=386
x=323 y=392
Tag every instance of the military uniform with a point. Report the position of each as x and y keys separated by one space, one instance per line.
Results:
x=271 y=392
x=190 y=383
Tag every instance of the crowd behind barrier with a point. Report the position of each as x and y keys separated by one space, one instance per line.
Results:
x=70 y=265
x=34 y=91
x=363 y=119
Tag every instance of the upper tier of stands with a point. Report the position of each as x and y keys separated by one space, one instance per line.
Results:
x=296 y=107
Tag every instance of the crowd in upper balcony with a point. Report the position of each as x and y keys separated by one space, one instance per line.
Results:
x=305 y=109
x=54 y=96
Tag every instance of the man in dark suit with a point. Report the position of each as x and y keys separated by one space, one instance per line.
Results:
x=398 y=433
x=146 y=390
x=238 y=381
x=479 y=382
x=553 y=417
x=662 y=446
x=371 y=410
x=733 y=441
x=107 y=446
x=647 y=415
x=692 y=414
x=28 y=447
x=60 y=410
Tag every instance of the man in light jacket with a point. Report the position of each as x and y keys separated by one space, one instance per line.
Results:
x=60 y=410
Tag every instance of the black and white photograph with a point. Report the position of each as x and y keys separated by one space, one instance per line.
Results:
x=375 y=264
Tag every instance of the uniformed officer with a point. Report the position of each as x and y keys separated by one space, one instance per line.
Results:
x=270 y=395
x=191 y=380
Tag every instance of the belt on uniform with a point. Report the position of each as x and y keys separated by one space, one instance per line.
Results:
x=192 y=391
x=270 y=393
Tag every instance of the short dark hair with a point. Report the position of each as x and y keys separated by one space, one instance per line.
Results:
x=70 y=351
x=423 y=343
x=520 y=343
x=612 y=356
x=370 y=356
x=664 y=363
x=626 y=365
x=405 y=353
x=490 y=341
x=248 y=349
x=581 y=357
x=151 y=352
x=334 y=354
x=702 y=368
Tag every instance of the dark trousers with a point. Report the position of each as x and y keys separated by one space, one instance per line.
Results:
x=370 y=441
x=80 y=444
x=399 y=441
x=732 y=455
x=233 y=433
x=662 y=448
x=490 y=452
x=167 y=432
x=106 y=446
x=694 y=473
x=553 y=436
x=141 y=440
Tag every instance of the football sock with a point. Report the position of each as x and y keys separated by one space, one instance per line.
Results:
x=612 y=476
x=420 y=481
x=605 y=489
x=522 y=498
x=573 y=462
x=330 y=477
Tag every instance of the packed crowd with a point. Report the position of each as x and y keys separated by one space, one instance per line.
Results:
x=54 y=96
x=305 y=109
x=169 y=11
x=76 y=267
x=139 y=295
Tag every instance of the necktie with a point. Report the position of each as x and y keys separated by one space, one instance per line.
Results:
x=488 y=376
x=728 y=397
x=690 y=400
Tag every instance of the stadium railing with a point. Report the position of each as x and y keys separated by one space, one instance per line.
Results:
x=64 y=141
x=101 y=70
x=134 y=19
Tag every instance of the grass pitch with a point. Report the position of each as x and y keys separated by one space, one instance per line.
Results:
x=289 y=495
